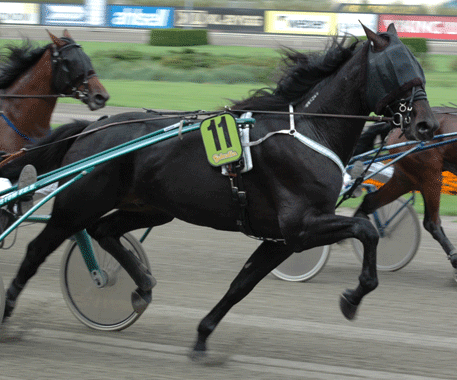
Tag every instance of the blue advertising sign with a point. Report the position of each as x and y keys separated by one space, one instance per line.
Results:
x=58 y=14
x=124 y=16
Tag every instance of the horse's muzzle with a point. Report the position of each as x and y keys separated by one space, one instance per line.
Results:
x=96 y=101
x=425 y=130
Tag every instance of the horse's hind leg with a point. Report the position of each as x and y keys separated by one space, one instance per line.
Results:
x=264 y=259
x=37 y=252
x=108 y=231
x=393 y=189
x=431 y=193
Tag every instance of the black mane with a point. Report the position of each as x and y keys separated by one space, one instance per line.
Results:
x=301 y=73
x=18 y=61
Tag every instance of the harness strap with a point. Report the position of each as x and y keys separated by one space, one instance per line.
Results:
x=319 y=148
x=303 y=139
x=239 y=197
x=11 y=125
x=12 y=157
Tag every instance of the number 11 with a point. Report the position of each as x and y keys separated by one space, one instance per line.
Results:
x=223 y=125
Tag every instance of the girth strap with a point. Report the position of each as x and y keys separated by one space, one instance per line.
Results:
x=239 y=197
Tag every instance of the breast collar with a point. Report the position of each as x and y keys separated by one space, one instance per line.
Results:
x=319 y=148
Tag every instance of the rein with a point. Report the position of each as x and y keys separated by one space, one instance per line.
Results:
x=330 y=115
x=192 y=115
x=38 y=96
x=202 y=113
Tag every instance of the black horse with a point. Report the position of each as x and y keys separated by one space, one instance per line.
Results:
x=291 y=191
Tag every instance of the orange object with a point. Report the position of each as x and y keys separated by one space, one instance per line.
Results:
x=449 y=185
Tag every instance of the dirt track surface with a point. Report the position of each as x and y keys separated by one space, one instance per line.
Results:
x=405 y=329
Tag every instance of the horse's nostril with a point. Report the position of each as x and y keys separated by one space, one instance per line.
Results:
x=99 y=99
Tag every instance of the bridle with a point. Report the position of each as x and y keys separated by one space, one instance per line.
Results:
x=402 y=118
x=64 y=79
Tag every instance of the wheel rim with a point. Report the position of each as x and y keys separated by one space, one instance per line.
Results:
x=2 y=299
x=303 y=266
x=398 y=245
x=107 y=308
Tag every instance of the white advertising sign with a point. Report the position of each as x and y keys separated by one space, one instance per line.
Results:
x=350 y=23
x=19 y=13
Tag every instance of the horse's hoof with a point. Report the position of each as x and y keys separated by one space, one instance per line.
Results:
x=453 y=259
x=198 y=356
x=152 y=282
x=348 y=309
x=147 y=282
x=141 y=300
x=9 y=307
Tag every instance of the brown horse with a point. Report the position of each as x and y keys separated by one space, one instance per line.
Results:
x=31 y=81
x=422 y=172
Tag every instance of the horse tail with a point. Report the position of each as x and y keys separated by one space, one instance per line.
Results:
x=43 y=156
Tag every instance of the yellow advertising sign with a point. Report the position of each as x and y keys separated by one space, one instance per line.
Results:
x=300 y=23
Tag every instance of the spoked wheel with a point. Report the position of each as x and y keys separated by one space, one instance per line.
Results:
x=400 y=239
x=2 y=299
x=108 y=308
x=303 y=266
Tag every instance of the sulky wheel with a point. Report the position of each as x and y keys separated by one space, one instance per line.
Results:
x=107 y=308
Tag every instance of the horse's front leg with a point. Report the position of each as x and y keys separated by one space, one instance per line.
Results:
x=264 y=259
x=324 y=230
x=329 y=229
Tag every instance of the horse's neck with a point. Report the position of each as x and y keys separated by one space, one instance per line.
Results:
x=30 y=116
x=340 y=94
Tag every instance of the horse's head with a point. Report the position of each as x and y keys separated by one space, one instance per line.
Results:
x=72 y=72
x=396 y=85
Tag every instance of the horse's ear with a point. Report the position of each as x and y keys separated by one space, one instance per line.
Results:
x=56 y=40
x=66 y=34
x=377 y=41
x=391 y=29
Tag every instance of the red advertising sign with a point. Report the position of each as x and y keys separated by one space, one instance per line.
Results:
x=430 y=27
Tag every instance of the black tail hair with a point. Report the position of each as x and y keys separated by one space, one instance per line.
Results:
x=48 y=158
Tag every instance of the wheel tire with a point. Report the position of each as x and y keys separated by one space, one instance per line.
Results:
x=401 y=237
x=303 y=266
x=2 y=299
x=108 y=308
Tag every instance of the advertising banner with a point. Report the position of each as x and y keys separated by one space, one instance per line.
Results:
x=58 y=14
x=430 y=27
x=227 y=19
x=365 y=7
x=300 y=23
x=96 y=12
x=123 y=16
x=350 y=23
x=19 y=13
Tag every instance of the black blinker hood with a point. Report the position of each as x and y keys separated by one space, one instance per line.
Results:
x=390 y=73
